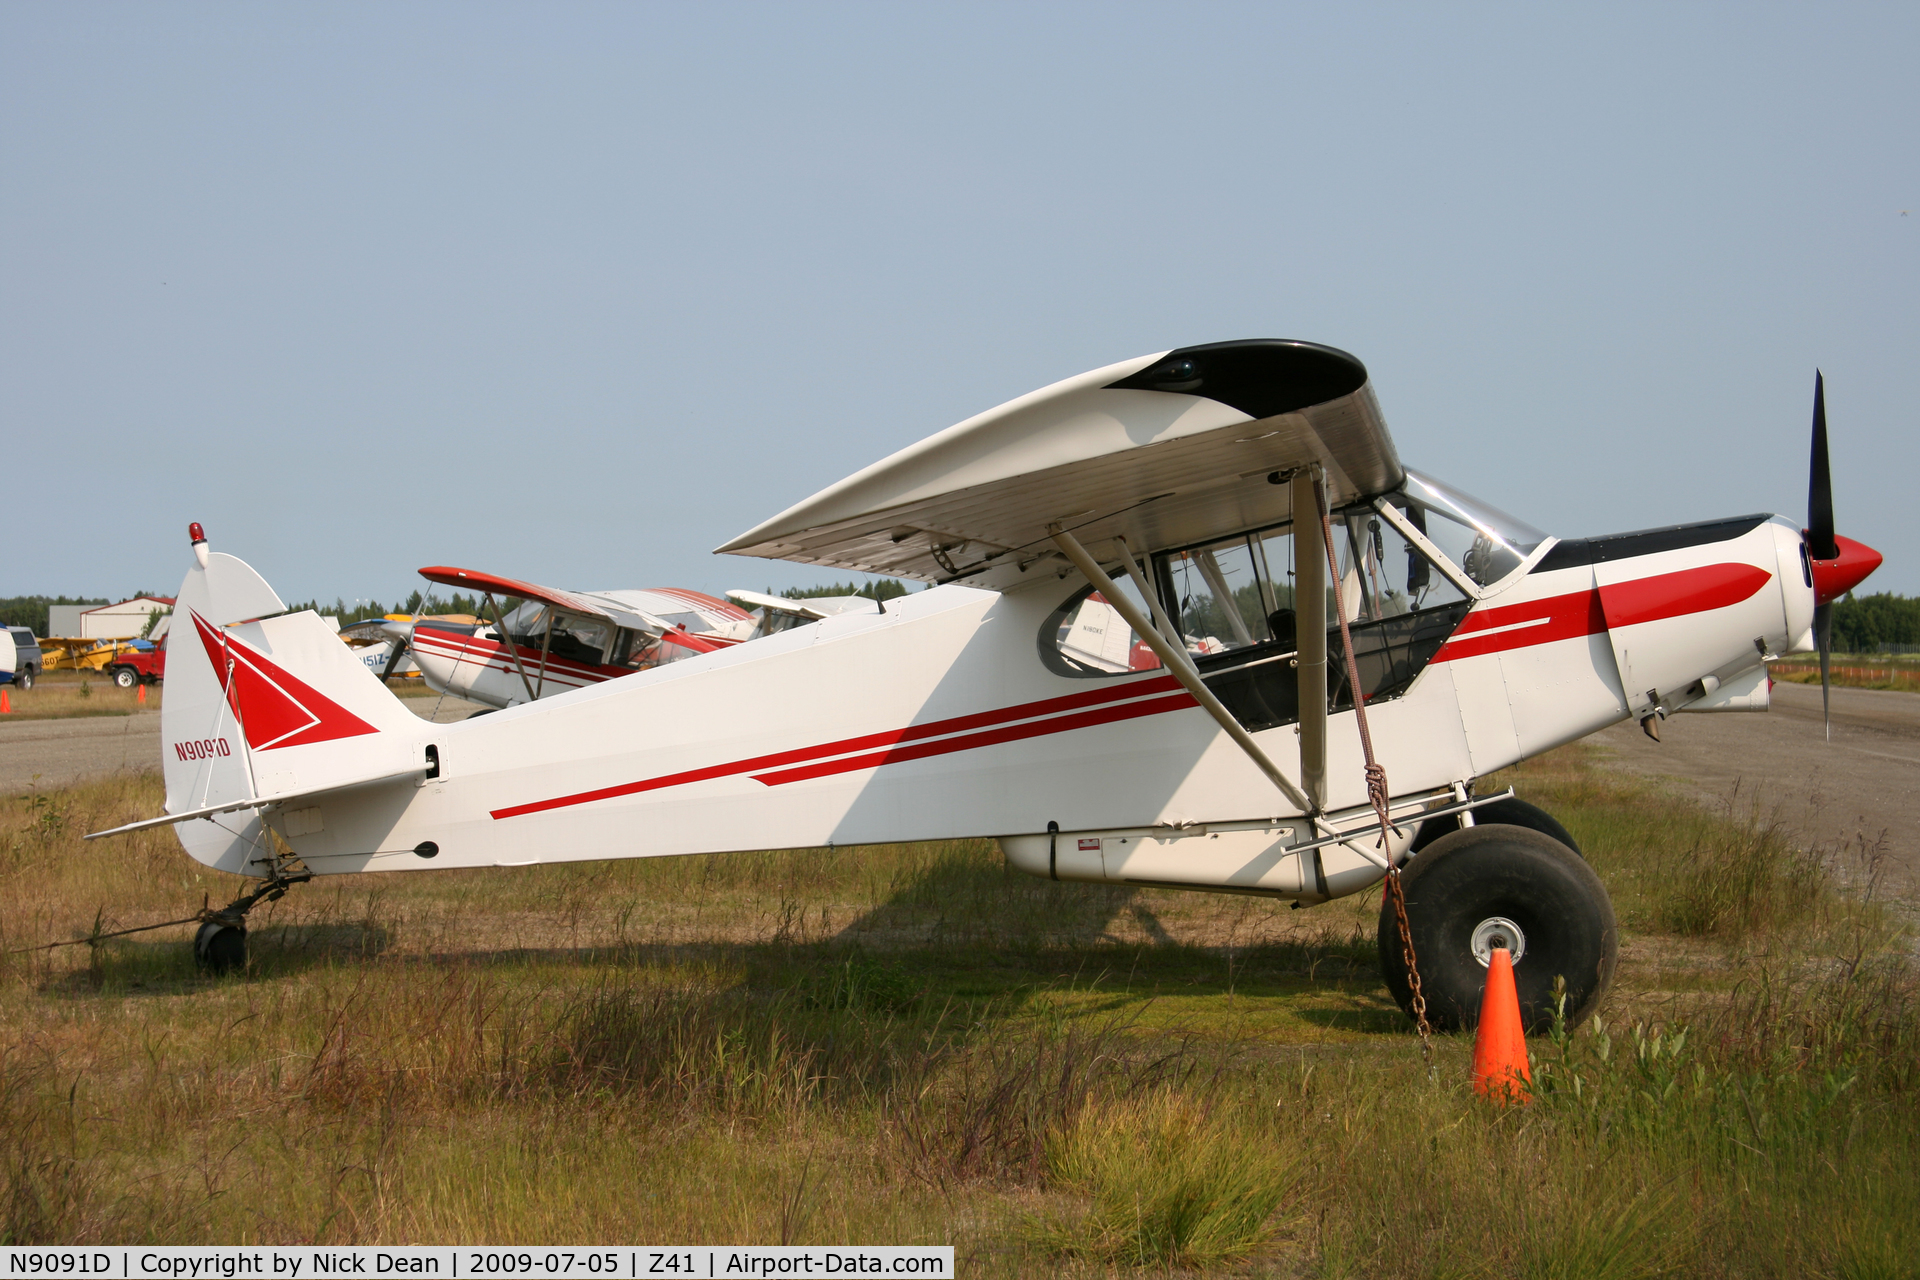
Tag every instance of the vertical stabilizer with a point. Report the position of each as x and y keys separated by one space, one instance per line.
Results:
x=260 y=706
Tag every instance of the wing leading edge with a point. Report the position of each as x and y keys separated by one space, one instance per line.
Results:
x=1168 y=449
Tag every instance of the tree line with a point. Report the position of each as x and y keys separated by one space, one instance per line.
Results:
x=1862 y=624
x=420 y=602
x=31 y=611
x=883 y=590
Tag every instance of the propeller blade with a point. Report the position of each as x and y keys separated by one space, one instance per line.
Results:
x=393 y=660
x=1820 y=543
x=1823 y=631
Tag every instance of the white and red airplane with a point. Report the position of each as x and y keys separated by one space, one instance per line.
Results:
x=560 y=640
x=1185 y=491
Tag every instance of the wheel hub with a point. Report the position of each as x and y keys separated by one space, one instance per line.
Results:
x=1497 y=931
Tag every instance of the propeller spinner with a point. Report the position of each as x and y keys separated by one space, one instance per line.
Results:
x=1835 y=564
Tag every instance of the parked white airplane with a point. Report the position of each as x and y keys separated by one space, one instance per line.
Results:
x=561 y=640
x=1185 y=489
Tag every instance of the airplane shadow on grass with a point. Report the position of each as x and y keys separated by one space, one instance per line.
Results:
x=961 y=928
x=164 y=966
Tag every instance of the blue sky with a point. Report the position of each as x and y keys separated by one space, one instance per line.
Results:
x=578 y=292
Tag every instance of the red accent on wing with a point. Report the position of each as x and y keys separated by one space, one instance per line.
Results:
x=688 y=640
x=474 y=580
x=1516 y=626
x=866 y=742
x=1674 y=595
x=705 y=603
x=274 y=707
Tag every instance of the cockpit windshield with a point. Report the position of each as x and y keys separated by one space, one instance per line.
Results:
x=1486 y=542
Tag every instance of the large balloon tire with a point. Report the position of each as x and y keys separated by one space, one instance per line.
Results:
x=1489 y=872
x=1512 y=811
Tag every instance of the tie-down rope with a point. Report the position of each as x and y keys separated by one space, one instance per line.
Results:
x=1377 y=793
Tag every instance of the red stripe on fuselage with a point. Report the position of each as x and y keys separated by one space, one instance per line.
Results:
x=1673 y=595
x=991 y=737
x=1054 y=707
x=1590 y=612
x=474 y=649
x=1516 y=626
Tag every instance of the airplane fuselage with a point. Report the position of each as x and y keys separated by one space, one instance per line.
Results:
x=939 y=719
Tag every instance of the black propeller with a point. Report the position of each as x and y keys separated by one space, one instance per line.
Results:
x=1820 y=543
x=400 y=646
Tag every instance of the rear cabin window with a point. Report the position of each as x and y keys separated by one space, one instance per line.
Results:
x=1086 y=636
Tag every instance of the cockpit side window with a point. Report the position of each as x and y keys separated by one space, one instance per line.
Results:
x=1087 y=637
x=1234 y=603
x=1233 y=594
x=574 y=638
x=1382 y=575
x=528 y=618
x=773 y=621
x=579 y=639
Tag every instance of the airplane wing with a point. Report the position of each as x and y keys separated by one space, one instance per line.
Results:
x=571 y=601
x=1167 y=449
x=779 y=604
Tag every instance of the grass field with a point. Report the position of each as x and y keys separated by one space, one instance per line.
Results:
x=61 y=695
x=1854 y=671
x=912 y=1043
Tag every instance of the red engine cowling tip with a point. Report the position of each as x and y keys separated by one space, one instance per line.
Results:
x=195 y=533
x=1834 y=578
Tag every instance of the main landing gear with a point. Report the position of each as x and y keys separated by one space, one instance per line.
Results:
x=1507 y=881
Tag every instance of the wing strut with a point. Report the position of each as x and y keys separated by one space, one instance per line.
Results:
x=1152 y=593
x=1177 y=665
x=1310 y=606
x=513 y=650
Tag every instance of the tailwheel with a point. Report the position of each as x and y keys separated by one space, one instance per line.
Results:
x=1495 y=885
x=221 y=944
x=220 y=947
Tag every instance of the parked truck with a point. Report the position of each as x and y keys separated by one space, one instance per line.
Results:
x=20 y=657
x=139 y=662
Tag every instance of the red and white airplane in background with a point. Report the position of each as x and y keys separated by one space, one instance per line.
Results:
x=560 y=640
x=1178 y=495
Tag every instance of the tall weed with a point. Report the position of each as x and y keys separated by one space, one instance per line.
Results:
x=1167 y=1181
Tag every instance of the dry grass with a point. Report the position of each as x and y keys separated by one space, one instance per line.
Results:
x=62 y=695
x=913 y=1044
x=1855 y=671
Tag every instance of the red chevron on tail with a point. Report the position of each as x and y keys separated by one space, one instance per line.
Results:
x=274 y=707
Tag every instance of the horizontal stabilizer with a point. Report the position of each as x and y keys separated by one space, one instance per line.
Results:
x=234 y=806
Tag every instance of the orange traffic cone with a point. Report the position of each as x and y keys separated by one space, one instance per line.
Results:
x=143 y=692
x=1500 y=1045
x=6 y=708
